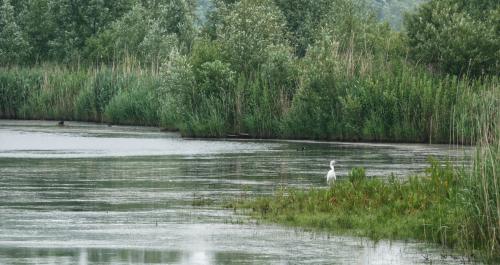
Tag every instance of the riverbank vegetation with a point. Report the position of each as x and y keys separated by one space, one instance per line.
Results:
x=271 y=69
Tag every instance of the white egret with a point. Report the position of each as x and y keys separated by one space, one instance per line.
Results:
x=331 y=177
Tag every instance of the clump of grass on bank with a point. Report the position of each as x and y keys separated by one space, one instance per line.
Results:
x=429 y=208
x=419 y=208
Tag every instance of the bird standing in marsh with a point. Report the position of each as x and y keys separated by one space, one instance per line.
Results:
x=331 y=176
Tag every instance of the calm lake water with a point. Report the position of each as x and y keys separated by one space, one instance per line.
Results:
x=92 y=194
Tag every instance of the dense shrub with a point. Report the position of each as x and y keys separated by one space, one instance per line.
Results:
x=456 y=36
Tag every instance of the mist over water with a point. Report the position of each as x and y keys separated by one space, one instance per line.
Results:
x=92 y=194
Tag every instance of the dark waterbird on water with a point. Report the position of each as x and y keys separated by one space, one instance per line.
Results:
x=61 y=123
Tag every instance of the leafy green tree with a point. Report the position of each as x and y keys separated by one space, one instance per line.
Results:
x=39 y=27
x=139 y=34
x=315 y=104
x=303 y=17
x=177 y=17
x=157 y=45
x=13 y=46
x=214 y=18
x=352 y=24
x=456 y=36
x=249 y=28
x=308 y=20
x=121 y=38
x=79 y=20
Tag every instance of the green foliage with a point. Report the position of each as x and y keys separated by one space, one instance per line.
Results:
x=137 y=105
x=249 y=28
x=122 y=38
x=78 y=21
x=157 y=45
x=57 y=95
x=36 y=21
x=357 y=175
x=455 y=36
x=248 y=74
x=352 y=82
x=351 y=23
x=209 y=120
x=176 y=90
x=268 y=95
x=14 y=48
x=95 y=31
x=149 y=36
x=482 y=194
x=349 y=95
x=103 y=95
x=195 y=94
x=15 y=89
x=177 y=17
x=303 y=18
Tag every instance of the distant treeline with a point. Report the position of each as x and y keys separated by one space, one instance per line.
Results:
x=316 y=69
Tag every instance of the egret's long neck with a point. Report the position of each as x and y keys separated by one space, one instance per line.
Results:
x=331 y=166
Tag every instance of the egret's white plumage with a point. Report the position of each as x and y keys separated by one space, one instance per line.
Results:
x=331 y=177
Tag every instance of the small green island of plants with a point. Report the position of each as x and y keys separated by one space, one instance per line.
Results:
x=446 y=206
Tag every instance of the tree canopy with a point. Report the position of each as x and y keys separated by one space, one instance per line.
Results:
x=449 y=36
x=456 y=36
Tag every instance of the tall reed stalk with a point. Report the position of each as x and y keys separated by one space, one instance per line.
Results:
x=483 y=182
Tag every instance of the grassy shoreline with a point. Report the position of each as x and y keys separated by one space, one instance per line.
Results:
x=393 y=109
x=432 y=208
x=368 y=207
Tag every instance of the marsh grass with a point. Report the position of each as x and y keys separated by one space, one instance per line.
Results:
x=395 y=102
x=481 y=196
x=418 y=208
x=119 y=95
x=392 y=101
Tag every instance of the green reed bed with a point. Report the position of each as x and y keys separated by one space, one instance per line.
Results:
x=393 y=102
x=481 y=194
x=101 y=94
